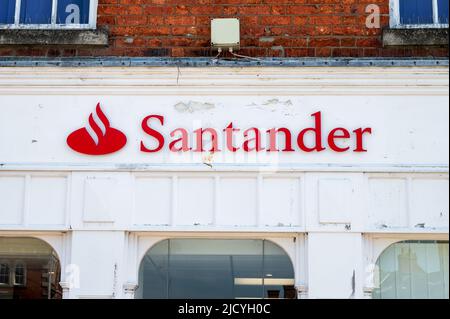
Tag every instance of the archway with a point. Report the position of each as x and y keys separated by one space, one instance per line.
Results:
x=29 y=269
x=216 y=269
x=413 y=270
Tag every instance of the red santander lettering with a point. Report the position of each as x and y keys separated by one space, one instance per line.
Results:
x=337 y=140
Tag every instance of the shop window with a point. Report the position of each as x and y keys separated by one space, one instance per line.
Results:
x=419 y=13
x=216 y=269
x=32 y=270
x=413 y=270
x=48 y=14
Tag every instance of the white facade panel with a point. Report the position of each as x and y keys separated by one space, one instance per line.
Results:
x=12 y=193
x=153 y=200
x=287 y=209
x=195 y=201
x=388 y=202
x=335 y=200
x=429 y=202
x=238 y=203
x=98 y=257
x=334 y=265
x=48 y=201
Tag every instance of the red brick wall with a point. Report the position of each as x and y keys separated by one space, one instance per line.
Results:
x=269 y=28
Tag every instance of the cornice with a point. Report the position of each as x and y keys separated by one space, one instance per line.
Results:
x=268 y=81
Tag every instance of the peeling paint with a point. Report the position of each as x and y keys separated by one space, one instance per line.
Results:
x=275 y=101
x=208 y=159
x=275 y=105
x=193 y=106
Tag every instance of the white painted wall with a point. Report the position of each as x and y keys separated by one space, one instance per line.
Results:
x=102 y=214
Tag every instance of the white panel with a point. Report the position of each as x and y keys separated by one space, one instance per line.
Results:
x=335 y=198
x=334 y=265
x=388 y=202
x=195 y=201
x=11 y=200
x=429 y=200
x=45 y=125
x=97 y=256
x=48 y=200
x=98 y=194
x=237 y=202
x=153 y=201
x=281 y=202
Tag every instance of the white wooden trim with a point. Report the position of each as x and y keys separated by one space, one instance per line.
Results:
x=17 y=13
x=54 y=11
x=93 y=14
x=394 y=13
x=435 y=12
x=331 y=81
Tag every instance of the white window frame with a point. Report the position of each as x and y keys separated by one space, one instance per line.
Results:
x=395 y=17
x=17 y=25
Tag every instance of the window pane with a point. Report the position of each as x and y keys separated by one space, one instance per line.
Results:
x=212 y=269
x=416 y=11
x=32 y=258
x=443 y=11
x=19 y=278
x=413 y=269
x=278 y=273
x=36 y=12
x=216 y=269
x=153 y=273
x=435 y=271
x=4 y=273
x=73 y=12
x=7 y=9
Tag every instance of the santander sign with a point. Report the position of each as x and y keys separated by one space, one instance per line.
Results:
x=99 y=138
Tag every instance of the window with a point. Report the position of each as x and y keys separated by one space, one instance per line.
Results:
x=4 y=273
x=20 y=271
x=48 y=14
x=413 y=270
x=419 y=13
x=216 y=269
x=29 y=269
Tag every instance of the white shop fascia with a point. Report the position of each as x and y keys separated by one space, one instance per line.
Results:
x=397 y=189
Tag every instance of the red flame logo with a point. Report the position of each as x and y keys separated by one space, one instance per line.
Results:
x=98 y=138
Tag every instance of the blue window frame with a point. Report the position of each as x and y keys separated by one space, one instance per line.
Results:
x=419 y=13
x=48 y=13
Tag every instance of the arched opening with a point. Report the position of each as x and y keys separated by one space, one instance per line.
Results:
x=29 y=269
x=216 y=269
x=413 y=270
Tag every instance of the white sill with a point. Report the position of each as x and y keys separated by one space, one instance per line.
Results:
x=420 y=26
